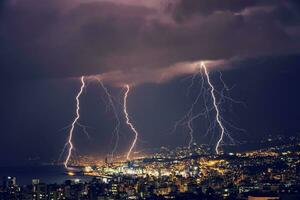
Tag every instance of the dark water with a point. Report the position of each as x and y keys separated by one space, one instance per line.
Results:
x=46 y=174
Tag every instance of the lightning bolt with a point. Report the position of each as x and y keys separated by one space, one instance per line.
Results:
x=75 y=121
x=218 y=118
x=209 y=94
x=127 y=87
x=191 y=131
x=189 y=117
x=117 y=126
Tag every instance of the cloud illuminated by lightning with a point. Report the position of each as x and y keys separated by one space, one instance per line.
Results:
x=127 y=87
x=75 y=121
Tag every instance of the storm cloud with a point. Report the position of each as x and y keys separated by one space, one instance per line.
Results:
x=60 y=39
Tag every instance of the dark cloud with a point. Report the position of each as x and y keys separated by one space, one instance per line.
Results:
x=187 y=8
x=46 y=39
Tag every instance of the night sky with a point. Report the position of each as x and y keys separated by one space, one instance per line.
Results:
x=46 y=45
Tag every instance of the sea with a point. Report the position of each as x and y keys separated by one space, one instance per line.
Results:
x=45 y=173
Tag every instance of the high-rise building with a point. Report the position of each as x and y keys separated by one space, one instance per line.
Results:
x=9 y=181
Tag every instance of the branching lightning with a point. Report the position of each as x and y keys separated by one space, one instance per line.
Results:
x=189 y=117
x=127 y=87
x=115 y=112
x=209 y=94
x=212 y=99
x=75 y=121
